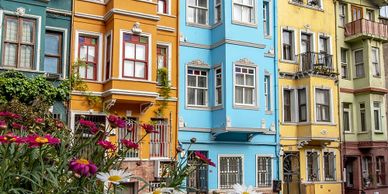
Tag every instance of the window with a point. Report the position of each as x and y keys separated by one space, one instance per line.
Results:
x=245 y=87
x=287 y=105
x=312 y=166
x=160 y=141
x=346 y=116
x=162 y=60
x=359 y=63
x=53 y=52
x=267 y=92
x=369 y=15
x=323 y=45
x=314 y=3
x=264 y=171
x=342 y=14
x=217 y=11
x=380 y=170
x=19 y=42
x=266 y=18
x=197 y=182
x=197 y=11
x=244 y=11
x=130 y=132
x=349 y=173
x=377 y=115
x=162 y=6
x=288 y=45
x=376 y=61
x=322 y=97
x=197 y=87
x=108 y=57
x=135 y=58
x=88 y=51
x=362 y=117
x=384 y=11
x=302 y=105
x=218 y=81
x=231 y=171
x=344 y=64
x=329 y=166
x=366 y=167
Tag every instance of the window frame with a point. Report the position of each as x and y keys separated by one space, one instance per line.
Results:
x=97 y=56
x=267 y=93
x=196 y=88
x=254 y=87
x=363 y=124
x=342 y=14
x=318 y=165
x=136 y=131
x=167 y=60
x=60 y=55
x=359 y=64
x=350 y=118
x=218 y=87
x=108 y=58
x=217 y=18
x=271 y=170
x=219 y=167
x=253 y=16
x=380 y=170
x=166 y=9
x=292 y=46
x=146 y=61
x=334 y=164
x=330 y=105
x=195 y=7
x=162 y=124
x=379 y=119
x=295 y=105
x=345 y=64
x=376 y=65
x=267 y=20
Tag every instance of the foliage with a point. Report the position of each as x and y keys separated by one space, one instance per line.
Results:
x=164 y=91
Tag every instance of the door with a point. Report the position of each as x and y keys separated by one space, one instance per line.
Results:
x=306 y=51
x=197 y=182
x=356 y=13
x=291 y=173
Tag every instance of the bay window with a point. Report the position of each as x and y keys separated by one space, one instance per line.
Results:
x=359 y=63
x=322 y=104
x=244 y=11
x=135 y=57
x=376 y=61
x=197 y=87
x=88 y=51
x=197 y=11
x=245 y=86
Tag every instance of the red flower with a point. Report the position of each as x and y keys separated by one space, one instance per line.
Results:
x=36 y=140
x=3 y=124
x=59 y=124
x=130 y=144
x=107 y=145
x=83 y=167
x=89 y=124
x=39 y=120
x=10 y=138
x=149 y=128
x=116 y=121
x=17 y=126
x=9 y=114
x=204 y=159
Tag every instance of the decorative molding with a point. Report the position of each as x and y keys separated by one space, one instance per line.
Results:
x=364 y=90
x=198 y=64
x=244 y=61
x=136 y=28
x=165 y=28
x=117 y=11
x=58 y=11
x=221 y=42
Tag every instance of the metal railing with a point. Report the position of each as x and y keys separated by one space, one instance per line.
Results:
x=310 y=61
x=160 y=142
x=130 y=132
x=364 y=26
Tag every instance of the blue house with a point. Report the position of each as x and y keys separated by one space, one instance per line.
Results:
x=228 y=92
x=35 y=39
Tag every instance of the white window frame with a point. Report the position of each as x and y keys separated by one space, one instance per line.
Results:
x=346 y=64
x=169 y=59
x=362 y=110
x=187 y=86
x=215 y=12
x=313 y=39
x=168 y=8
x=342 y=7
x=99 y=37
x=350 y=113
x=380 y=115
x=355 y=64
x=294 y=49
x=328 y=37
x=255 y=87
x=294 y=106
x=254 y=9
x=109 y=33
x=272 y=169
x=150 y=54
x=384 y=12
x=268 y=20
x=267 y=95
x=319 y=164
x=331 y=108
x=335 y=167
x=197 y=7
x=64 y=32
x=219 y=167
x=376 y=66
x=216 y=103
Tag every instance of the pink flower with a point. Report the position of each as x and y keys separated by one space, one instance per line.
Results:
x=89 y=124
x=39 y=120
x=9 y=114
x=116 y=121
x=130 y=144
x=204 y=159
x=36 y=140
x=149 y=128
x=10 y=138
x=59 y=124
x=17 y=126
x=3 y=124
x=107 y=145
x=83 y=167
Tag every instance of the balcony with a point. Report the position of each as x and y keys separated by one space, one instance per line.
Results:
x=362 y=28
x=316 y=62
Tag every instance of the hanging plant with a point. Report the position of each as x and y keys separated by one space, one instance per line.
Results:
x=164 y=91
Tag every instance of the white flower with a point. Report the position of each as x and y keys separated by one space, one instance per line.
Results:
x=242 y=189
x=113 y=176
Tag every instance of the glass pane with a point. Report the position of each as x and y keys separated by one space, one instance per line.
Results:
x=250 y=80
x=248 y=96
x=240 y=79
x=202 y=16
x=359 y=56
x=202 y=82
x=12 y=30
x=190 y=15
x=90 y=71
x=192 y=81
x=82 y=53
x=202 y=3
x=10 y=52
x=52 y=44
x=246 y=15
x=129 y=50
x=191 y=2
x=82 y=72
x=51 y=64
x=129 y=68
x=91 y=53
x=26 y=56
x=248 y=2
x=239 y=95
x=28 y=31
x=140 y=52
x=161 y=5
x=191 y=96
x=201 y=97
x=140 y=70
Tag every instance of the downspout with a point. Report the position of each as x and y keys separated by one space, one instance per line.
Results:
x=70 y=62
x=177 y=73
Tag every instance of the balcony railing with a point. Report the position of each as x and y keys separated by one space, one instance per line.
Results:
x=311 y=61
x=367 y=28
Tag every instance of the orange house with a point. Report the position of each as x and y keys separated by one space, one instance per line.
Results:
x=130 y=49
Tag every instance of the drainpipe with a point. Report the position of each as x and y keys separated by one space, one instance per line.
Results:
x=177 y=74
x=70 y=62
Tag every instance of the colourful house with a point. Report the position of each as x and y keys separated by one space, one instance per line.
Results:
x=228 y=92
x=308 y=93
x=130 y=49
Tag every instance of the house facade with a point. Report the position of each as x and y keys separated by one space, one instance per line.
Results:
x=228 y=92
x=35 y=40
x=126 y=52
x=308 y=93
x=361 y=36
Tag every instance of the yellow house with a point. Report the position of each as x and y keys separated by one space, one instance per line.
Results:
x=309 y=125
x=130 y=49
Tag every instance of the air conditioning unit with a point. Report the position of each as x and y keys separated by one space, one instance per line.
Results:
x=52 y=76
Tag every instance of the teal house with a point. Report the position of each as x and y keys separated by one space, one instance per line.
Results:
x=35 y=39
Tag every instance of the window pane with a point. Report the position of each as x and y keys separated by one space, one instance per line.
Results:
x=10 y=52
x=192 y=81
x=202 y=16
x=82 y=53
x=12 y=30
x=359 y=58
x=91 y=53
x=52 y=44
x=201 y=97
x=202 y=3
x=240 y=79
x=129 y=50
x=249 y=96
x=191 y=96
x=26 y=56
x=140 y=69
x=202 y=82
x=82 y=72
x=190 y=15
x=28 y=31
x=239 y=95
x=51 y=64
x=90 y=71
x=250 y=80
x=129 y=68
x=140 y=52
x=237 y=12
x=161 y=6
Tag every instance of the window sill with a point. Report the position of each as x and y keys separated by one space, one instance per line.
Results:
x=135 y=80
x=161 y=158
x=306 y=6
x=127 y=159
x=251 y=25
x=268 y=112
x=295 y=123
x=246 y=107
x=377 y=76
x=349 y=132
x=363 y=132
x=150 y=2
x=203 y=108
x=204 y=26
x=165 y=14
x=378 y=132
x=288 y=61
x=356 y=78
x=324 y=123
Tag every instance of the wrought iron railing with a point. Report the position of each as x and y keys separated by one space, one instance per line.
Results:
x=364 y=26
x=311 y=61
x=160 y=142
